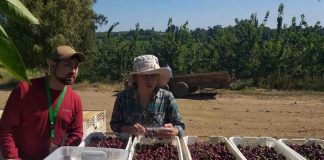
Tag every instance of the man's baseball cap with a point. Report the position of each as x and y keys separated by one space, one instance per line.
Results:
x=66 y=52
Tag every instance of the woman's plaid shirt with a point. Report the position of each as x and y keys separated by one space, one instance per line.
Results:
x=161 y=109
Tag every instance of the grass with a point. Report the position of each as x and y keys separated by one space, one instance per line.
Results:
x=265 y=92
x=7 y=82
x=114 y=87
x=5 y=77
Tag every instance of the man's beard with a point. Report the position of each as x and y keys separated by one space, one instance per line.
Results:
x=64 y=80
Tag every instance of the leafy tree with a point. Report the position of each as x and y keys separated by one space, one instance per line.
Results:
x=62 y=23
x=10 y=57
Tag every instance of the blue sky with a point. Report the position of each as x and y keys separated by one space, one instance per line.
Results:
x=202 y=13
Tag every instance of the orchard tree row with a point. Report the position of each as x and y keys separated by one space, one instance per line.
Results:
x=290 y=56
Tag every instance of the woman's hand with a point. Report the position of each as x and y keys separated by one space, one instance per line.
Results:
x=135 y=129
x=168 y=131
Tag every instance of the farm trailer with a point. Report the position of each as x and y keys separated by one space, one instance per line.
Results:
x=182 y=85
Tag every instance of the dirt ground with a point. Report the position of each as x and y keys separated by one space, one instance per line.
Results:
x=228 y=113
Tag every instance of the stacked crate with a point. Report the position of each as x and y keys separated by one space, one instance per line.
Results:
x=93 y=121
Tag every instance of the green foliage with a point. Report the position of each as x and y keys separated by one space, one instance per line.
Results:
x=62 y=23
x=15 y=10
x=5 y=76
x=241 y=84
x=286 y=57
x=10 y=57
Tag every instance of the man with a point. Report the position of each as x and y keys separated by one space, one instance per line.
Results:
x=39 y=116
x=144 y=104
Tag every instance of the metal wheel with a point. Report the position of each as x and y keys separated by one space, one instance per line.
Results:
x=181 y=89
x=166 y=87
x=193 y=89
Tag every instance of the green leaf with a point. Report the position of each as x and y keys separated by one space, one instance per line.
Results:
x=10 y=57
x=15 y=10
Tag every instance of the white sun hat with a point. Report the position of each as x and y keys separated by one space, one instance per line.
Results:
x=149 y=64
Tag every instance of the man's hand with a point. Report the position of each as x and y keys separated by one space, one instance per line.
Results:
x=168 y=132
x=135 y=129
x=53 y=147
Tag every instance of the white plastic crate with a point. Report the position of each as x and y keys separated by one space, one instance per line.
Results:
x=125 y=136
x=264 y=141
x=94 y=121
x=188 y=140
x=142 y=140
x=87 y=153
x=286 y=142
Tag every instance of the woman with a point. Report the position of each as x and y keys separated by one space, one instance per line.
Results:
x=145 y=104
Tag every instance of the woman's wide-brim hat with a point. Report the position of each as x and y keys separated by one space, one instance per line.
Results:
x=149 y=64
